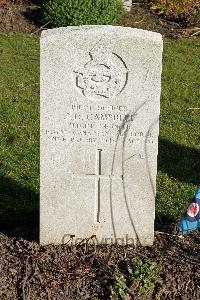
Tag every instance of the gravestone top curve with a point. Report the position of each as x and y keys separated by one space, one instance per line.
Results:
x=107 y=29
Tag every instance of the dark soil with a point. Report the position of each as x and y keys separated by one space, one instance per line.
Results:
x=21 y=16
x=30 y=271
x=24 y=16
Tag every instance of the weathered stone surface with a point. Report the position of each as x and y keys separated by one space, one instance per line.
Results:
x=127 y=5
x=100 y=95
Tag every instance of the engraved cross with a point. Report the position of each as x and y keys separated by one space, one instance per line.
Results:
x=97 y=176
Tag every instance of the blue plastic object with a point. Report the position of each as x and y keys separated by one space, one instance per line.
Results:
x=191 y=220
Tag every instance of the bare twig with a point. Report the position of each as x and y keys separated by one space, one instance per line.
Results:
x=25 y=278
x=196 y=33
x=170 y=234
x=141 y=255
x=130 y=293
x=43 y=26
x=138 y=22
x=48 y=294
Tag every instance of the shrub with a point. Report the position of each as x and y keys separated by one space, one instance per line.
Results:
x=82 y=12
x=185 y=11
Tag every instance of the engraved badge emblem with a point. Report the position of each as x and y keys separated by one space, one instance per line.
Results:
x=104 y=76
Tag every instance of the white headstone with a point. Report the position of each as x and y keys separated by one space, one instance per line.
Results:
x=100 y=95
x=127 y=5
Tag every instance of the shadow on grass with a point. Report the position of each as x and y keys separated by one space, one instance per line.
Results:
x=179 y=162
x=19 y=213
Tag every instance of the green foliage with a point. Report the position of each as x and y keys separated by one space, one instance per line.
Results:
x=19 y=126
x=145 y=273
x=82 y=12
x=187 y=11
x=119 y=285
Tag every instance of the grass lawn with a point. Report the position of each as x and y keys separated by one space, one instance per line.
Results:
x=179 y=145
x=19 y=127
